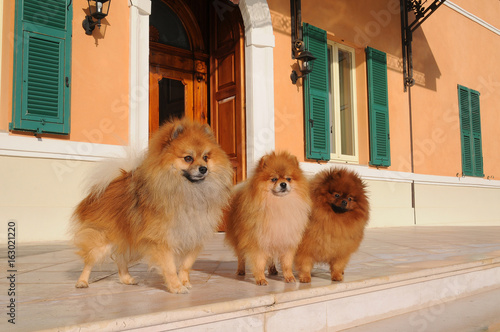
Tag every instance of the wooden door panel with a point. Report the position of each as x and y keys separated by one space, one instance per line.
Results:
x=226 y=123
x=225 y=72
x=156 y=75
x=226 y=81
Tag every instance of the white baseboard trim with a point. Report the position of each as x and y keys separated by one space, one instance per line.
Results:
x=370 y=173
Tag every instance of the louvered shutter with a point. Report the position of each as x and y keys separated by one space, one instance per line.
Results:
x=316 y=102
x=470 y=126
x=42 y=66
x=378 y=107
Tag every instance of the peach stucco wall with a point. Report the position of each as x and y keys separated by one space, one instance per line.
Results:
x=448 y=49
x=100 y=76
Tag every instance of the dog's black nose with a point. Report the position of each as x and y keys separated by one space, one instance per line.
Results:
x=203 y=169
x=283 y=185
x=344 y=203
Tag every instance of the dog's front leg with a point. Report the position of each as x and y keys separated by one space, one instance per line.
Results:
x=186 y=266
x=164 y=258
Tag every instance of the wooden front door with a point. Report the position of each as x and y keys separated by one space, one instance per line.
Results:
x=227 y=87
x=177 y=86
x=196 y=70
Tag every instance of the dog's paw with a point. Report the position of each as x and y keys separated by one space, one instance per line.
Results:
x=305 y=279
x=128 y=280
x=337 y=276
x=240 y=272
x=178 y=290
x=82 y=284
x=289 y=279
x=261 y=282
x=187 y=284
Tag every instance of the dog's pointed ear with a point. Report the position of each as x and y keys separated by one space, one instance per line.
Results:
x=176 y=131
x=208 y=131
x=263 y=161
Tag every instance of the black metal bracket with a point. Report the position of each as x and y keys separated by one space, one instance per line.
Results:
x=296 y=27
x=421 y=14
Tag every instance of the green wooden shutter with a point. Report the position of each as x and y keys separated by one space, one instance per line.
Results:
x=378 y=108
x=470 y=126
x=42 y=66
x=316 y=101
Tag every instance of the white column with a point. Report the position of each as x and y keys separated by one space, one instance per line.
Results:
x=259 y=79
x=139 y=74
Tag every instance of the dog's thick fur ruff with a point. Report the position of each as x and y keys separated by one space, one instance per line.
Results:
x=164 y=209
x=268 y=215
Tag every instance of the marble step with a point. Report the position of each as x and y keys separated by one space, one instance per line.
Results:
x=334 y=307
x=478 y=312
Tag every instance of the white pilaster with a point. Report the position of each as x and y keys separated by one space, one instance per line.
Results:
x=139 y=73
x=259 y=80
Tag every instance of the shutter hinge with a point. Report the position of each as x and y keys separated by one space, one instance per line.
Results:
x=311 y=121
x=67 y=81
x=388 y=136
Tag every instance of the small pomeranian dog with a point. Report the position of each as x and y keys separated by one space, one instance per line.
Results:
x=267 y=217
x=163 y=209
x=340 y=212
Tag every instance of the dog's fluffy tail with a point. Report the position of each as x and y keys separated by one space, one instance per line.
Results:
x=107 y=170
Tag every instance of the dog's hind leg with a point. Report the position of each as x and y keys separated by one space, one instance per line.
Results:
x=123 y=273
x=92 y=257
x=271 y=268
x=186 y=266
x=241 y=265
x=93 y=249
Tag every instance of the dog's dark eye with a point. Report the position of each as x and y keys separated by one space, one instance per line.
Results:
x=337 y=195
x=289 y=179
x=205 y=158
x=349 y=199
x=274 y=179
x=188 y=159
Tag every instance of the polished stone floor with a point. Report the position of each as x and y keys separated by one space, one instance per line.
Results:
x=45 y=296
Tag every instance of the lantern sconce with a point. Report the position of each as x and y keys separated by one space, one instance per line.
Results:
x=306 y=60
x=304 y=57
x=98 y=9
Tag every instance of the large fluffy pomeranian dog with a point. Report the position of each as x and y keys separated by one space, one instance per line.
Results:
x=340 y=212
x=268 y=215
x=164 y=209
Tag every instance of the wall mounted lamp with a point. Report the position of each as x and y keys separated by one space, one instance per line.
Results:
x=306 y=61
x=305 y=58
x=98 y=9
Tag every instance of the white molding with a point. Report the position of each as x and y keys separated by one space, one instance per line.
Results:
x=259 y=79
x=472 y=17
x=139 y=74
x=33 y=147
x=370 y=173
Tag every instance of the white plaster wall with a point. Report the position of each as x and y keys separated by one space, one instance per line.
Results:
x=40 y=195
x=457 y=205
x=390 y=203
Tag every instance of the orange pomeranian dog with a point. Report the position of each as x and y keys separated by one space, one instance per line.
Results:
x=164 y=209
x=268 y=215
x=339 y=215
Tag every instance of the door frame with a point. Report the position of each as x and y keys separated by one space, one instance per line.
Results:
x=259 y=77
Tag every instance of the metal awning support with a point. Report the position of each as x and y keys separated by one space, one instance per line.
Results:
x=407 y=29
x=296 y=28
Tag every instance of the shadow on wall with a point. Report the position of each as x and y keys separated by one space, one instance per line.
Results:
x=365 y=23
